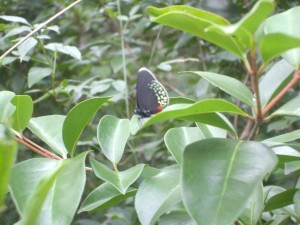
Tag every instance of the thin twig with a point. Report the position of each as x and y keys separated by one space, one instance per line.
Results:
x=40 y=150
x=254 y=130
x=123 y=58
x=39 y=27
x=21 y=141
x=295 y=80
x=254 y=80
x=50 y=154
x=247 y=130
x=155 y=45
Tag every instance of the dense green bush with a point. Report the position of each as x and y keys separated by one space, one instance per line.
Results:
x=223 y=152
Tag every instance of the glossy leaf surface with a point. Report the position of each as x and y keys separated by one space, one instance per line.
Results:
x=36 y=74
x=285 y=25
x=280 y=200
x=157 y=195
x=8 y=149
x=198 y=112
x=270 y=48
x=23 y=112
x=120 y=180
x=195 y=21
x=228 y=84
x=112 y=134
x=176 y=139
x=283 y=138
x=26 y=46
x=27 y=183
x=247 y=25
x=106 y=195
x=49 y=129
x=219 y=175
x=254 y=207
x=291 y=108
x=35 y=203
x=273 y=81
x=77 y=119
x=6 y=107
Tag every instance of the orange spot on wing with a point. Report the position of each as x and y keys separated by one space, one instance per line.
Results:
x=159 y=108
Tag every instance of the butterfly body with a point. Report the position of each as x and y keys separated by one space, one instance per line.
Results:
x=151 y=95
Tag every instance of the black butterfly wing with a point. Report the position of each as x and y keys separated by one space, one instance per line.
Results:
x=146 y=97
x=151 y=95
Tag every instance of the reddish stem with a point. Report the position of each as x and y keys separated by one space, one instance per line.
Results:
x=255 y=88
x=45 y=151
x=295 y=79
x=40 y=150
x=36 y=150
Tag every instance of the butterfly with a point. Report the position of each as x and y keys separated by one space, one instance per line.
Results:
x=151 y=96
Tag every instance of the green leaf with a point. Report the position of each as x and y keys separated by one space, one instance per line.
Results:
x=25 y=177
x=36 y=74
x=220 y=175
x=279 y=219
x=245 y=28
x=280 y=200
x=180 y=100
x=285 y=25
x=211 y=131
x=6 y=107
x=254 y=207
x=8 y=149
x=120 y=180
x=260 y=11
x=228 y=84
x=17 y=30
x=176 y=139
x=285 y=155
x=176 y=218
x=213 y=119
x=26 y=180
x=112 y=134
x=23 y=112
x=49 y=129
x=270 y=48
x=104 y=196
x=291 y=136
x=291 y=108
x=26 y=46
x=65 y=49
x=157 y=195
x=34 y=204
x=297 y=201
x=291 y=167
x=273 y=81
x=195 y=21
x=15 y=19
x=7 y=60
x=197 y=112
x=77 y=119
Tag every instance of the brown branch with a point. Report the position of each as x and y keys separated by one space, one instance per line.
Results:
x=295 y=79
x=50 y=154
x=252 y=126
x=40 y=150
x=247 y=130
x=254 y=130
x=254 y=81
x=21 y=141
x=238 y=222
